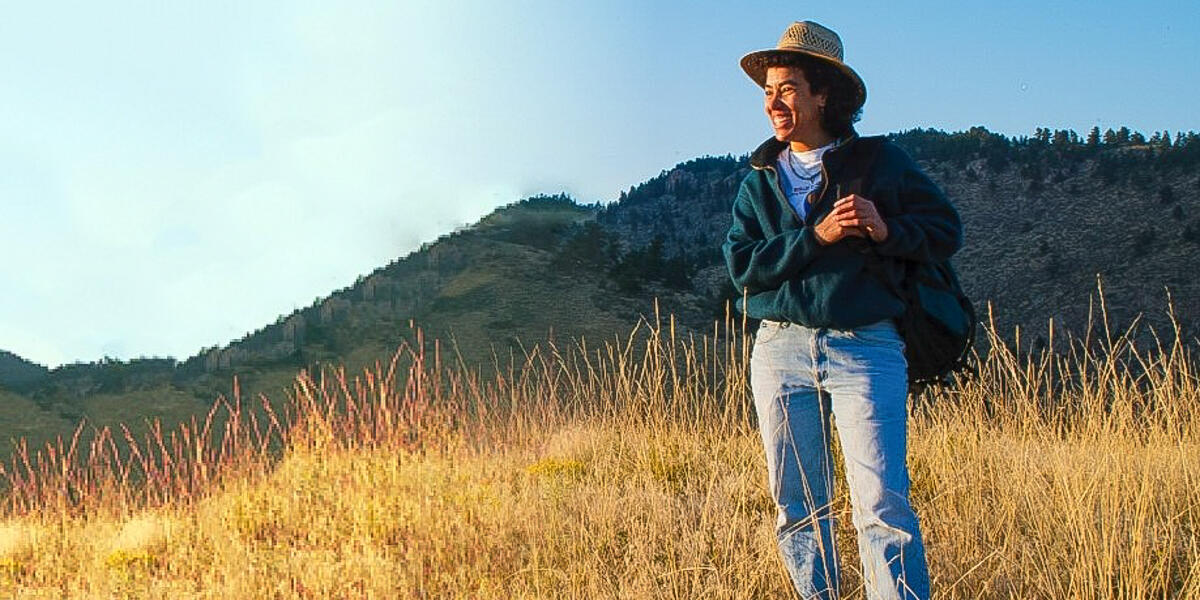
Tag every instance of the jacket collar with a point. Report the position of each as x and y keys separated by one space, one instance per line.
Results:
x=768 y=152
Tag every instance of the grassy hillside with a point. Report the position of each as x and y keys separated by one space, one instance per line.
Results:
x=1044 y=216
x=21 y=418
x=1066 y=474
x=484 y=293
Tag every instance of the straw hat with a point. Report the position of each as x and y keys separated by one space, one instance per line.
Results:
x=811 y=39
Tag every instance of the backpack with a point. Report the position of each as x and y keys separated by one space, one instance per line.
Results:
x=938 y=324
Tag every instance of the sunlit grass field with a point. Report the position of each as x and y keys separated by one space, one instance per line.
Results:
x=629 y=469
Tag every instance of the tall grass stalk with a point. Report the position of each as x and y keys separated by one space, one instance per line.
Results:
x=630 y=468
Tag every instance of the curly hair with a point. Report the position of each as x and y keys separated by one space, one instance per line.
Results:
x=841 y=109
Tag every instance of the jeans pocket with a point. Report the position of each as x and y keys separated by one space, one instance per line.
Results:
x=767 y=331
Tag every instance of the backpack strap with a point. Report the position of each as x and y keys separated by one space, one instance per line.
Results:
x=866 y=152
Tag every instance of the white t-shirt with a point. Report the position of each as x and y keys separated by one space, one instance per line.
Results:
x=800 y=174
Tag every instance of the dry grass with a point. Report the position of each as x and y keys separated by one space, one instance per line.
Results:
x=632 y=470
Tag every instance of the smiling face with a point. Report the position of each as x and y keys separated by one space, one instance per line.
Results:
x=794 y=112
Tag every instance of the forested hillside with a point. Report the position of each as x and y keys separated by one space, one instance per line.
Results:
x=1044 y=216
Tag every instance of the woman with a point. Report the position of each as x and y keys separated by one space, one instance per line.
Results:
x=819 y=203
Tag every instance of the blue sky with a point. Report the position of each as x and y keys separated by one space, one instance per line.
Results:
x=173 y=175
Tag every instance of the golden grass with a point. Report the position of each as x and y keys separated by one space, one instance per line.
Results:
x=632 y=470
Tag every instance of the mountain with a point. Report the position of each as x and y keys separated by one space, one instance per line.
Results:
x=1044 y=216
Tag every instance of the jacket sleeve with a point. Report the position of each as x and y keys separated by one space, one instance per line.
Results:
x=928 y=228
x=757 y=262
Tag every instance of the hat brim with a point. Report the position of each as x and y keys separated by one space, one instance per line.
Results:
x=755 y=65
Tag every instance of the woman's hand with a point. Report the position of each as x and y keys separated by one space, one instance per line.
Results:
x=830 y=230
x=854 y=215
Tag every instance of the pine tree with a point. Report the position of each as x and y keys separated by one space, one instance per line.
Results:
x=1110 y=137
x=1123 y=135
x=1165 y=141
x=1093 y=137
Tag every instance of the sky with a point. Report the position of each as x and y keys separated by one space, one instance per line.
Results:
x=174 y=175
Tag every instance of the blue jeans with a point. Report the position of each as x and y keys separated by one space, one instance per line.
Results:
x=799 y=377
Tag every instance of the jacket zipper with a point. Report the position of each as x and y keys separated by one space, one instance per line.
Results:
x=812 y=206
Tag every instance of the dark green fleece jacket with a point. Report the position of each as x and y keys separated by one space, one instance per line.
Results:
x=786 y=274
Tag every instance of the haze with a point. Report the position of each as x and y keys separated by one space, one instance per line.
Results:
x=174 y=176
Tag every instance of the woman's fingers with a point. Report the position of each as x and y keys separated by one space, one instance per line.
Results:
x=847 y=211
x=851 y=199
x=852 y=202
x=855 y=211
x=856 y=216
x=861 y=215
